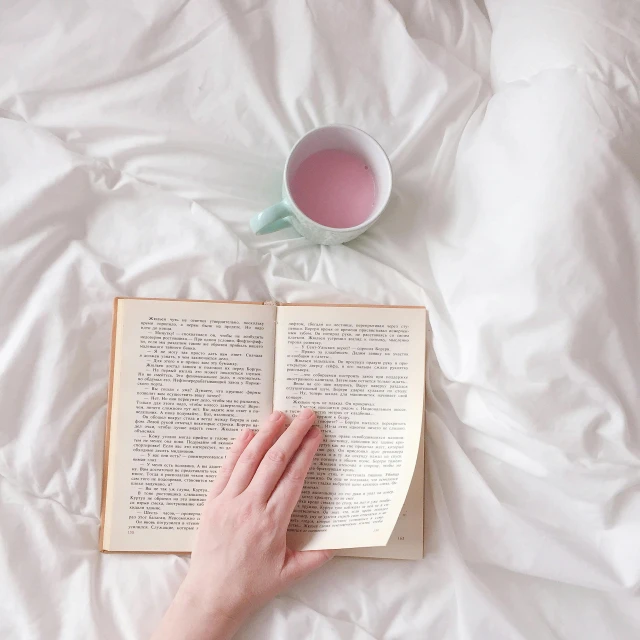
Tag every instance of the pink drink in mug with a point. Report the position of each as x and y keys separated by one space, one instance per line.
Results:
x=334 y=188
x=337 y=181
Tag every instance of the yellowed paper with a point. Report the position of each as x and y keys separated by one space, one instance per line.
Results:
x=407 y=538
x=362 y=370
x=187 y=377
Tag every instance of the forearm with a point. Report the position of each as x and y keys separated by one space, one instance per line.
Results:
x=240 y=559
x=187 y=619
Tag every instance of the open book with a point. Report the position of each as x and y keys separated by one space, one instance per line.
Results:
x=187 y=376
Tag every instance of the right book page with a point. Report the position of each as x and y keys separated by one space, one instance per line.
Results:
x=407 y=538
x=362 y=369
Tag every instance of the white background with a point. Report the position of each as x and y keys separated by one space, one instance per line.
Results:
x=137 y=138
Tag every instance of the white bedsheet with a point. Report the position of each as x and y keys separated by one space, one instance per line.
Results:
x=137 y=138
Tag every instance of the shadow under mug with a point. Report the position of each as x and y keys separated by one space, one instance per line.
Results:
x=287 y=213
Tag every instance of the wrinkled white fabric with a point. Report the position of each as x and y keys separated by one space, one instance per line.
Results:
x=137 y=139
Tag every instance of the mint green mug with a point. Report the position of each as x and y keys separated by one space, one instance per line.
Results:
x=286 y=213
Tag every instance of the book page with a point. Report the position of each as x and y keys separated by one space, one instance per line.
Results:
x=362 y=369
x=407 y=538
x=188 y=376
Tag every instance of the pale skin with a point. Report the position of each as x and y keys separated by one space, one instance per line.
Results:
x=240 y=558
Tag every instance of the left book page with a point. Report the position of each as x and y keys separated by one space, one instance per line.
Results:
x=186 y=377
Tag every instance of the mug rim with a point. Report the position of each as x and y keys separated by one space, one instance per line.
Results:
x=381 y=207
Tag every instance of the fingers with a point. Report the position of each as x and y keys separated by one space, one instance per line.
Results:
x=277 y=459
x=224 y=473
x=253 y=454
x=300 y=563
x=287 y=492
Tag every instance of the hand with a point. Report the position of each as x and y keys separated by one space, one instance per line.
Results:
x=240 y=558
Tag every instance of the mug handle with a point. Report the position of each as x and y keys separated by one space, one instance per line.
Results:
x=272 y=219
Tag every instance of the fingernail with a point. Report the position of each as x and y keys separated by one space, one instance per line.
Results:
x=314 y=432
x=306 y=413
x=246 y=433
x=275 y=416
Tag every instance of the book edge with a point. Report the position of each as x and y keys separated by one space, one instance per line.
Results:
x=279 y=304
x=329 y=304
x=424 y=432
x=107 y=435
x=189 y=300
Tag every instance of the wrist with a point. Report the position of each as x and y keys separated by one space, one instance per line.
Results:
x=211 y=609
x=192 y=616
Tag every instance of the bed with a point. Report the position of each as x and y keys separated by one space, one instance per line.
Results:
x=136 y=141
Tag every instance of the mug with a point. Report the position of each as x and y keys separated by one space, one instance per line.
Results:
x=287 y=213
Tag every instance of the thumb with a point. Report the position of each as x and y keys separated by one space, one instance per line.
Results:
x=298 y=564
